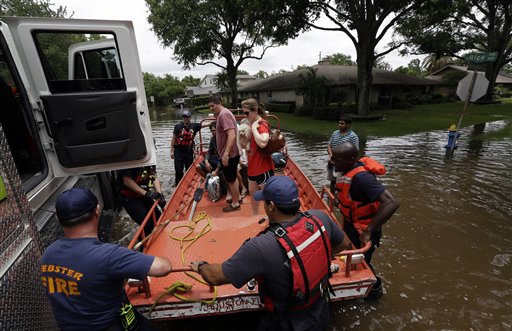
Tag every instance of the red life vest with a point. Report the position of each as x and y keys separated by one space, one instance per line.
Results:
x=185 y=138
x=360 y=214
x=144 y=179
x=304 y=243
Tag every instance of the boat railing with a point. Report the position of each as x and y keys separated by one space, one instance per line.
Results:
x=140 y=231
x=349 y=254
x=330 y=196
x=143 y=286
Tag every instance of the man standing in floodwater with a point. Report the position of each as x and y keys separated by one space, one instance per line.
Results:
x=364 y=202
x=344 y=133
x=182 y=145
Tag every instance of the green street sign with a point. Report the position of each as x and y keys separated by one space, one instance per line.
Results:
x=481 y=57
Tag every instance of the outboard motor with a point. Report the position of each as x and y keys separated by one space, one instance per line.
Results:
x=279 y=159
x=213 y=187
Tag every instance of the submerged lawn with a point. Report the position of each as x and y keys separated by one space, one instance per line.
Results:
x=407 y=121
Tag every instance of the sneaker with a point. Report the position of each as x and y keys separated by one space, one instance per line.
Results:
x=230 y=208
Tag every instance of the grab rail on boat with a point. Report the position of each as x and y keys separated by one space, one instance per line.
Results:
x=350 y=253
x=143 y=285
x=325 y=190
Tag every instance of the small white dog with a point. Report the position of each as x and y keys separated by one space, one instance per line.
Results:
x=245 y=134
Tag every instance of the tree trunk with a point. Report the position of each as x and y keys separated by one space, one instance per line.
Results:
x=232 y=83
x=364 y=82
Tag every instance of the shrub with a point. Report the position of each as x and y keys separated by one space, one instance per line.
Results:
x=199 y=101
x=282 y=106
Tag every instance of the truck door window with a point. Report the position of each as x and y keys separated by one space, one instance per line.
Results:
x=18 y=126
x=76 y=62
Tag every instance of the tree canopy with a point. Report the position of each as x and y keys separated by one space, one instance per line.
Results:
x=40 y=8
x=414 y=68
x=341 y=59
x=452 y=28
x=225 y=33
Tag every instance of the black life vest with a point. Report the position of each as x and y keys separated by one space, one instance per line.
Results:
x=144 y=178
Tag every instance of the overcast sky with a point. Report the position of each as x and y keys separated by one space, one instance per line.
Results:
x=305 y=49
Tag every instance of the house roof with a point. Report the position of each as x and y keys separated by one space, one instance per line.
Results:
x=334 y=75
x=502 y=78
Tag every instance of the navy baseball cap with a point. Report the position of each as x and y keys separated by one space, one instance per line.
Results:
x=186 y=113
x=74 y=203
x=279 y=189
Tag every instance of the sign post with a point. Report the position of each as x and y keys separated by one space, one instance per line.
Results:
x=471 y=59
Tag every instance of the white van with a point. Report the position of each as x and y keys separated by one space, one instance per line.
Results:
x=72 y=109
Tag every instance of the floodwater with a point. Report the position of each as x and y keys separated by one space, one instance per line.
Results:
x=446 y=255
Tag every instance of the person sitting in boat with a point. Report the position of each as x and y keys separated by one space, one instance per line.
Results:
x=226 y=136
x=211 y=161
x=364 y=202
x=140 y=188
x=84 y=278
x=260 y=166
x=266 y=259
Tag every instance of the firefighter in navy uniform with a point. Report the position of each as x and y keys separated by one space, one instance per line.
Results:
x=84 y=278
x=182 y=145
x=139 y=190
x=291 y=304
x=364 y=202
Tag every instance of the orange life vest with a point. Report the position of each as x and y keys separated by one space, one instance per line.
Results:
x=358 y=213
x=302 y=243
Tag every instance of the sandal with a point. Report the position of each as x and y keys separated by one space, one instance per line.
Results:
x=229 y=201
x=243 y=194
x=230 y=208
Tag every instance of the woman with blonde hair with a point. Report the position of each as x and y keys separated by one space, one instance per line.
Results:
x=260 y=167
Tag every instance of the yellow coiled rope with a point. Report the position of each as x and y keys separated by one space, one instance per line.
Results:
x=185 y=242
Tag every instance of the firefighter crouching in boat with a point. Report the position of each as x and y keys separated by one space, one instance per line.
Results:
x=140 y=189
x=272 y=259
x=84 y=278
x=364 y=202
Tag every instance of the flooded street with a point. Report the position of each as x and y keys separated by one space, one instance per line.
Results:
x=445 y=257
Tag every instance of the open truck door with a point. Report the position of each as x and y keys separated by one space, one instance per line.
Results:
x=84 y=85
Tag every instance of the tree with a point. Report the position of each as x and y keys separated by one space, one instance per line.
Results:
x=225 y=33
x=414 y=68
x=431 y=63
x=261 y=74
x=381 y=64
x=164 y=89
x=312 y=87
x=365 y=23
x=446 y=28
x=190 y=81
x=39 y=8
x=242 y=72
x=342 y=60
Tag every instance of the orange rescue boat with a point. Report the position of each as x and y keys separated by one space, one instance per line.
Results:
x=196 y=229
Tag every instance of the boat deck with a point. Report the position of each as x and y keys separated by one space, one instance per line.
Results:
x=226 y=233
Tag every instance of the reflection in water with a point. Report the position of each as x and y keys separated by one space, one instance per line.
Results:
x=445 y=256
